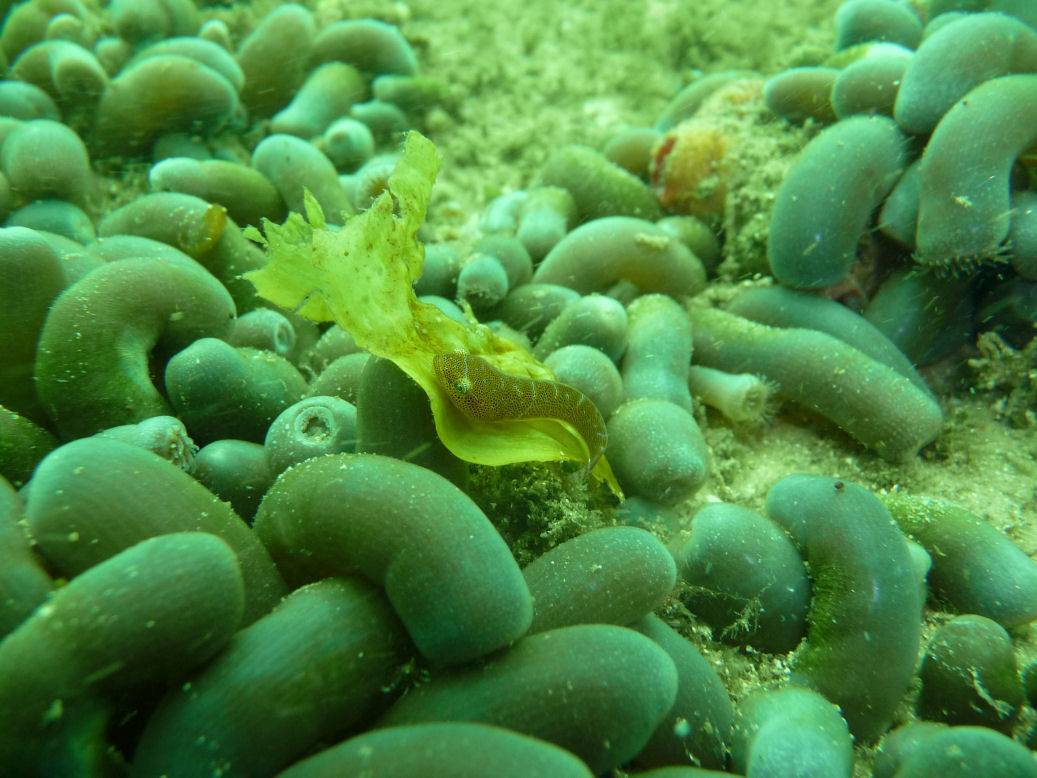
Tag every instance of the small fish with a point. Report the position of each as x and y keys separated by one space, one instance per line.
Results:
x=482 y=392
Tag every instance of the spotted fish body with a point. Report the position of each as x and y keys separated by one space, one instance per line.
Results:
x=481 y=391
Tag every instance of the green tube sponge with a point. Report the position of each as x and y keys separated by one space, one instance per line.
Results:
x=224 y=392
x=955 y=59
x=802 y=93
x=393 y=419
x=439 y=271
x=594 y=689
x=115 y=247
x=742 y=398
x=865 y=618
x=511 y=253
x=137 y=20
x=275 y=58
x=631 y=149
x=655 y=363
x=698 y=727
x=22 y=445
x=827 y=198
x=657 y=450
x=976 y=569
x=369 y=181
x=112 y=53
x=781 y=307
x=164 y=436
x=445 y=569
x=27 y=23
x=614 y=575
x=24 y=584
x=373 y=46
x=898 y=746
x=156 y=95
x=264 y=329
x=697 y=236
x=31 y=276
x=964 y=213
x=384 y=120
x=312 y=427
x=1009 y=309
x=92 y=368
x=295 y=165
x=348 y=143
x=683 y=772
x=863 y=21
x=873 y=402
x=639 y=512
x=965 y=752
x=482 y=282
x=6 y=198
x=595 y=255
x=196 y=227
x=546 y=215
x=326 y=95
x=237 y=472
x=531 y=307
x=745 y=578
x=44 y=158
x=207 y=52
x=789 y=730
x=76 y=259
x=598 y=187
x=321 y=664
x=83 y=509
x=247 y=194
x=501 y=214
x=134 y=622
x=970 y=676
x=57 y=217
x=1023 y=236
x=595 y=320
x=921 y=309
x=870 y=84
x=590 y=371
x=334 y=343
x=955 y=8
x=414 y=95
x=26 y=101
x=898 y=217
x=68 y=72
x=341 y=377
x=446 y=750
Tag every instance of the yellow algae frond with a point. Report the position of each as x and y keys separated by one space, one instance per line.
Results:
x=361 y=278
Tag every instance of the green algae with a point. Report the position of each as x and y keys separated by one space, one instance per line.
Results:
x=361 y=277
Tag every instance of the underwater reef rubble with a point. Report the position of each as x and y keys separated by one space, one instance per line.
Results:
x=708 y=448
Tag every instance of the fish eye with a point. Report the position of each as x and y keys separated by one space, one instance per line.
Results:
x=462 y=387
